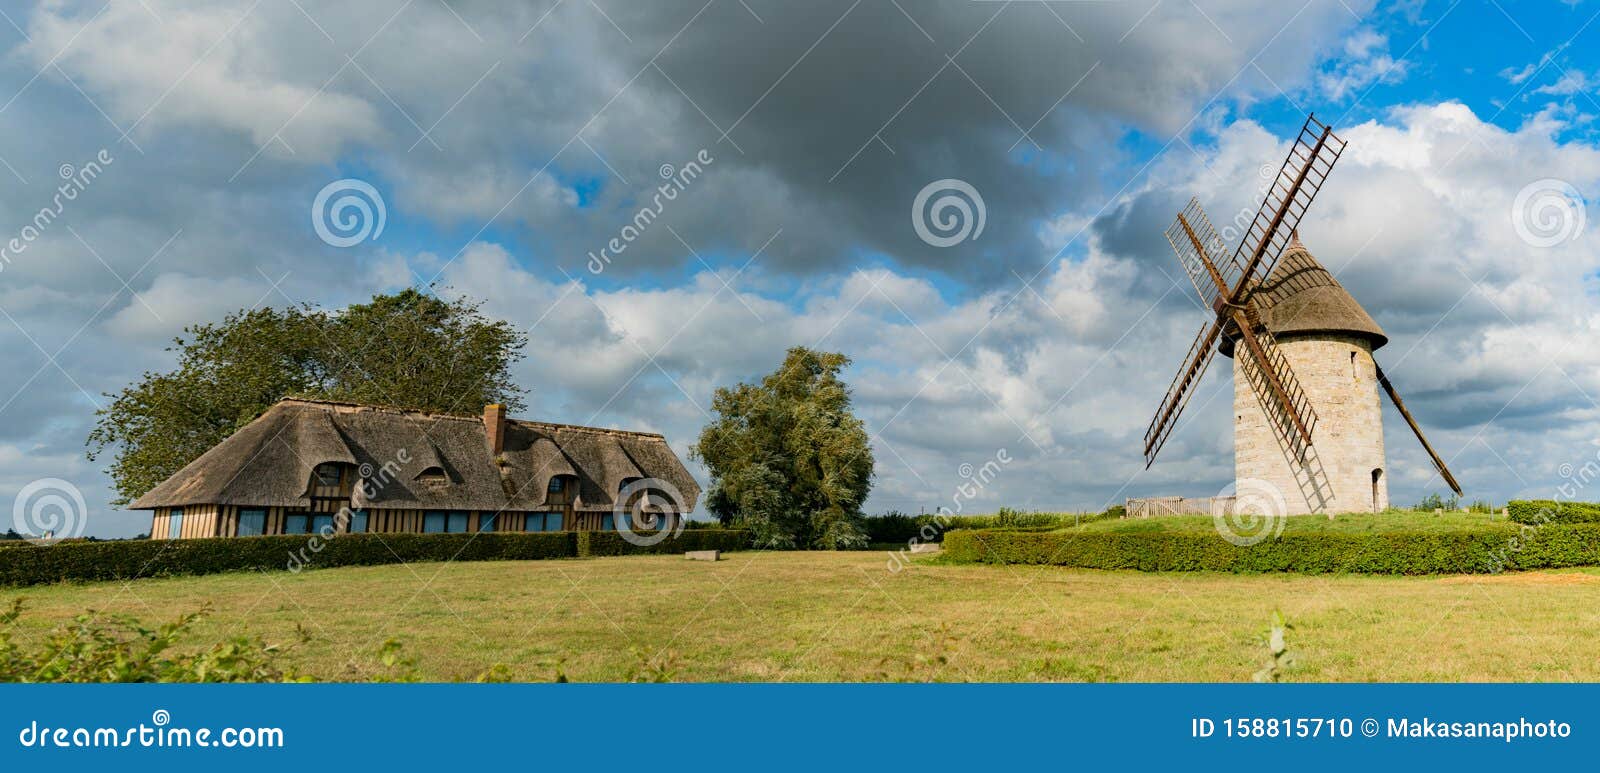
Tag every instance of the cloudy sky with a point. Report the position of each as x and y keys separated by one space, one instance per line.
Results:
x=509 y=148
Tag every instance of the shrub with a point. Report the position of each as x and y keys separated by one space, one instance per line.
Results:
x=611 y=543
x=1433 y=502
x=1541 y=511
x=129 y=559
x=898 y=527
x=1478 y=549
x=893 y=526
x=97 y=648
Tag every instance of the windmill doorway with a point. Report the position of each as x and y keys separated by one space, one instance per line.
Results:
x=1377 y=490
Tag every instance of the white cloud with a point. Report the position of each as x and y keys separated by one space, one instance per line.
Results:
x=175 y=301
x=200 y=65
x=1366 y=61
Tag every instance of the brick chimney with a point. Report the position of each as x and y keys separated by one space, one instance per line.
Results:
x=494 y=426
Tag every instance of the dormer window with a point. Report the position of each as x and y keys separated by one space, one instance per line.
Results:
x=328 y=474
x=432 y=475
x=557 y=485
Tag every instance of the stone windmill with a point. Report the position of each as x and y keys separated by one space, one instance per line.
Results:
x=1307 y=417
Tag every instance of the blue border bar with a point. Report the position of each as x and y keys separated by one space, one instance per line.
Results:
x=794 y=727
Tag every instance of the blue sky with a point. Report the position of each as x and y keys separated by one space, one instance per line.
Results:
x=507 y=146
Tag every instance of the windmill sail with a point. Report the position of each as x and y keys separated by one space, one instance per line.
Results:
x=1201 y=352
x=1310 y=159
x=1267 y=371
x=1200 y=250
x=1394 y=396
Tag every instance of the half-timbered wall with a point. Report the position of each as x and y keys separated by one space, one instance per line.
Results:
x=223 y=520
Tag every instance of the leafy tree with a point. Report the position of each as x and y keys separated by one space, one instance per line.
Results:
x=788 y=459
x=408 y=349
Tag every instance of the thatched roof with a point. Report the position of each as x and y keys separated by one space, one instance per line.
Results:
x=1301 y=297
x=269 y=461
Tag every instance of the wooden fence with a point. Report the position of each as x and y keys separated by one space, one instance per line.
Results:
x=1149 y=507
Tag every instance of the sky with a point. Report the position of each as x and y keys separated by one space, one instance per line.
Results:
x=510 y=152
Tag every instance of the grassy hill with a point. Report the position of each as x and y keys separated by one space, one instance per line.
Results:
x=844 y=616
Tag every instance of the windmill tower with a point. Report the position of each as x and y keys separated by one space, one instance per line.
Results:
x=1308 y=422
x=1327 y=339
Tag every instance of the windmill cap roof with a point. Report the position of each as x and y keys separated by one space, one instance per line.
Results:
x=1301 y=297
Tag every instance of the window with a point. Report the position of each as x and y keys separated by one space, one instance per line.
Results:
x=328 y=474
x=358 y=521
x=486 y=521
x=440 y=521
x=175 y=523
x=543 y=522
x=252 y=523
x=557 y=484
x=607 y=523
x=296 y=523
x=322 y=521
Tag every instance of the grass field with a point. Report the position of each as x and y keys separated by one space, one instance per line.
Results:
x=843 y=616
x=1352 y=523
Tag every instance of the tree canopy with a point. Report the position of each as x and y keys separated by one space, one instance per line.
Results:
x=407 y=349
x=788 y=459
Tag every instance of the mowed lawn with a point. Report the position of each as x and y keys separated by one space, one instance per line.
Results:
x=844 y=616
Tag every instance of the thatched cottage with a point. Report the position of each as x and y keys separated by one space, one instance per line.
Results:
x=301 y=463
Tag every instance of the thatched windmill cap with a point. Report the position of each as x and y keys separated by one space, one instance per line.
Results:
x=1301 y=297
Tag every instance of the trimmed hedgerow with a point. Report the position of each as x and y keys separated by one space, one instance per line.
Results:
x=901 y=527
x=130 y=559
x=611 y=543
x=1541 y=511
x=126 y=560
x=1467 y=551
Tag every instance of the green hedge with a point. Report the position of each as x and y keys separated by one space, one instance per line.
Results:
x=902 y=528
x=1467 y=551
x=130 y=559
x=1538 y=511
x=611 y=543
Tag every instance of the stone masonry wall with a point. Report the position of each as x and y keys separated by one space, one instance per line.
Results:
x=1341 y=382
